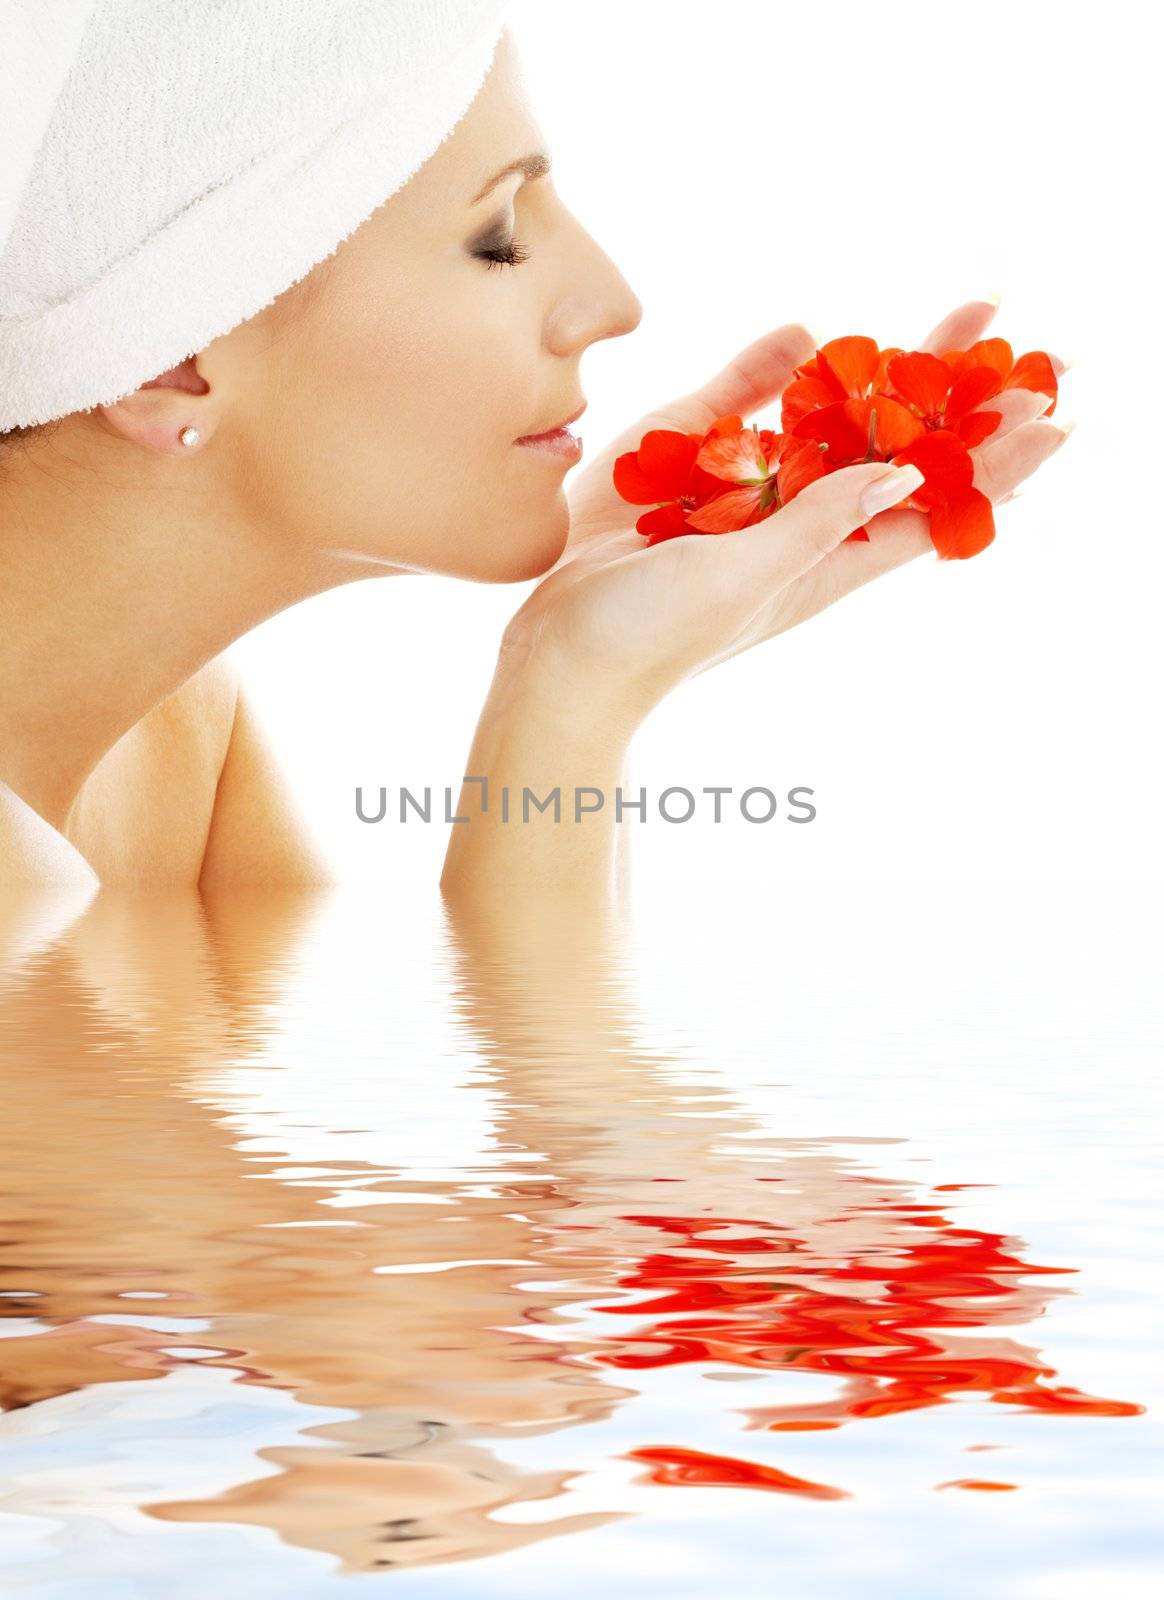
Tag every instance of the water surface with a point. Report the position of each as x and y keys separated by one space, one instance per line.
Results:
x=745 y=1250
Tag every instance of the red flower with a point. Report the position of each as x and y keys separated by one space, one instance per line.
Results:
x=686 y=477
x=663 y=473
x=945 y=398
x=853 y=430
x=961 y=517
x=770 y=469
x=911 y=407
x=852 y=368
x=1032 y=371
x=851 y=402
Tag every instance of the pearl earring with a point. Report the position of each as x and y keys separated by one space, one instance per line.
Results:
x=189 y=436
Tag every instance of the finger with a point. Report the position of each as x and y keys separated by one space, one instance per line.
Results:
x=967 y=325
x=999 y=467
x=776 y=551
x=1015 y=406
x=900 y=536
x=750 y=380
x=894 y=539
x=962 y=328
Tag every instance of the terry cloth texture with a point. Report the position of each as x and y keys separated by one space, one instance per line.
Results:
x=169 y=167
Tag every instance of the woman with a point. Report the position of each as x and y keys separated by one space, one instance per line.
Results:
x=374 y=417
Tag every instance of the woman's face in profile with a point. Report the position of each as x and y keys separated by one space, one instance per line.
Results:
x=379 y=400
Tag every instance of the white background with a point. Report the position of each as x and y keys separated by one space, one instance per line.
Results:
x=860 y=169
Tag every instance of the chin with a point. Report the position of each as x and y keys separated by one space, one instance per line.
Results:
x=524 y=551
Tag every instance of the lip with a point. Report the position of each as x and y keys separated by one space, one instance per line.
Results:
x=551 y=433
x=561 y=444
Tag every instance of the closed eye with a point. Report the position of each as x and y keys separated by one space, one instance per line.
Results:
x=506 y=253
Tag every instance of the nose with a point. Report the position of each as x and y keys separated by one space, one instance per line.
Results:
x=595 y=302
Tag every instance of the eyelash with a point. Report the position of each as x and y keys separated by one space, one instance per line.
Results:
x=510 y=254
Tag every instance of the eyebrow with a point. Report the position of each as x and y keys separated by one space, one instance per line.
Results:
x=532 y=166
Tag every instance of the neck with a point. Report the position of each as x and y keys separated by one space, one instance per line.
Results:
x=120 y=579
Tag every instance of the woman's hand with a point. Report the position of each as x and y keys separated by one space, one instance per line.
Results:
x=617 y=624
x=640 y=619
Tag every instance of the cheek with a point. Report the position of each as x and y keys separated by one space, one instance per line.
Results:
x=402 y=426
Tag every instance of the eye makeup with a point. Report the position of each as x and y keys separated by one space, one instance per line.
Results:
x=497 y=245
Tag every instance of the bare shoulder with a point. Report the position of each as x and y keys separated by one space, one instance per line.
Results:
x=33 y=853
x=258 y=834
x=143 y=815
x=193 y=794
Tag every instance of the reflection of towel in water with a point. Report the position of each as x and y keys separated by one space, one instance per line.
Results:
x=169 y=167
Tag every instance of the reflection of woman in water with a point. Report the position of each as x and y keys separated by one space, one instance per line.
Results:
x=126 y=1030
x=208 y=412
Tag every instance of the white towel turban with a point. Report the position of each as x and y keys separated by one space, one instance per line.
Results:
x=169 y=167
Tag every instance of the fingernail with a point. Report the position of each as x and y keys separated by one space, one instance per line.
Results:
x=1065 y=429
x=993 y=298
x=887 y=491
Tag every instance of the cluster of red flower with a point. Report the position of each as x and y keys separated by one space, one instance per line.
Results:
x=851 y=402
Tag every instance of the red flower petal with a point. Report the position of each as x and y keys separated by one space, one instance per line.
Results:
x=995 y=353
x=894 y=429
x=666 y=459
x=632 y=482
x=944 y=461
x=1034 y=371
x=851 y=363
x=970 y=389
x=665 y=522
x=803 y=396
x=703 y=486
x=977 y=426
x=921 y=380
x=799 y=463
x=881 y=381
x=767 y=507
x=728 y=512
x=735 y=457
x=835 y=427
x=728 y=424
x=962 y=526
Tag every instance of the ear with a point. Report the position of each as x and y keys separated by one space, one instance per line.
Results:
x=158 y=413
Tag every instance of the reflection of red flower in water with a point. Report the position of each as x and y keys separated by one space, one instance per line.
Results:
x=884 y=1337
x=674 y=1464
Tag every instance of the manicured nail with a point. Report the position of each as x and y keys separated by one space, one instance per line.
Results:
x=887 y=491
x=1065 y=428
x=993 y=298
